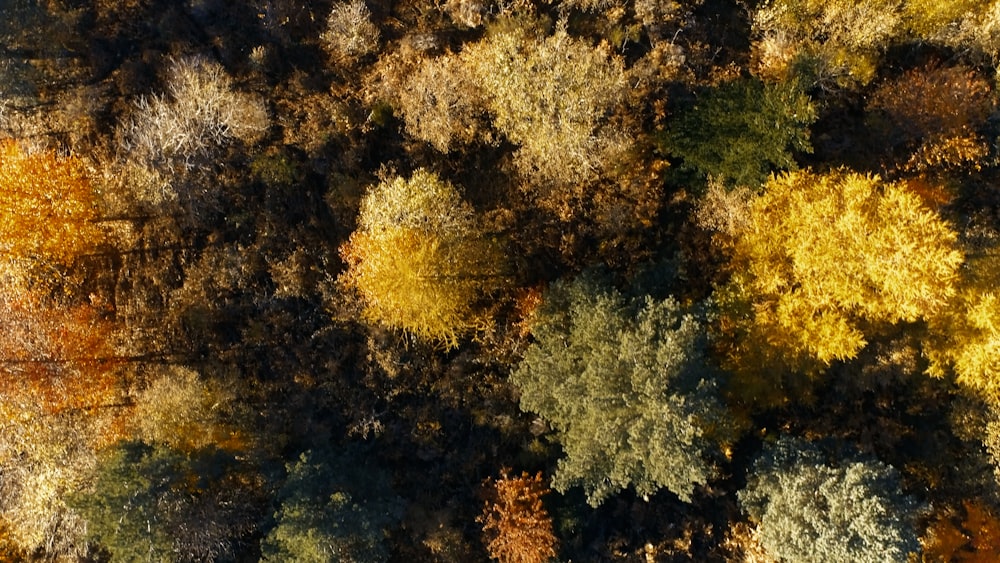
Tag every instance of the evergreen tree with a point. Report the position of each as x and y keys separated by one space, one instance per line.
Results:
x=811 y=510
x=334 y=509
x=625 y=386
x=742 y=131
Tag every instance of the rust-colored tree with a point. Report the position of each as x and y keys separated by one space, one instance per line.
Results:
x=516 y=526
x=968 y=535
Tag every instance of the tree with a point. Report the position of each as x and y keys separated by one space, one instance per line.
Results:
x=350 y=33
x=153 y=503
x=936 y=111
x=626 y=389
x=811 y=509
x=418 y=260
x=61 y=398
x=964 y=338
x=516 y=526
x=334 y=508
x=184 y=411
x=47 y=206
x=201 y=112
x=835 y=42
x=823 y=255
x=551 y=96
x=440 y=103
x=742 y=131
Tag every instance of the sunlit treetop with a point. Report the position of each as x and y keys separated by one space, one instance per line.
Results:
x=419 y=261
x=47 y=206
x=823 y=255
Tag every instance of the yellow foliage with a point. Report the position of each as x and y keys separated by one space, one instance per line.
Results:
x=957 y=151
x=965 y=337
x=824 y=254
x=47 y=207
x=417 y=260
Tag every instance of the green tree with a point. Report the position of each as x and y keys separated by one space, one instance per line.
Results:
x=626 y=389
x=808 y=508
x=335 y=508
x=154 y=503
x=419 y=261
x=742 y=131
x=823 y=257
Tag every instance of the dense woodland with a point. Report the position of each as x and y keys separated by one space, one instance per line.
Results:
x=510 y=280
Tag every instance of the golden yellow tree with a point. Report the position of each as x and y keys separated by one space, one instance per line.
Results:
x=47 y=205
x=822 y=255
x=418 y=260
x=964 y=339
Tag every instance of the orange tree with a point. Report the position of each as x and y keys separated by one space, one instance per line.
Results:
x=516 y=526
x=47 y=205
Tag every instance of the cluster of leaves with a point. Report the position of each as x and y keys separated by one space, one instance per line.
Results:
x=626 y=388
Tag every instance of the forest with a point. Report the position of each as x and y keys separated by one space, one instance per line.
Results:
x=523 y=281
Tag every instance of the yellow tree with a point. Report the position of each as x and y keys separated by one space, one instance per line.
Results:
x=47 y=205
x=418 y=260
x=551 y=96
x=964 y=339
x=820 y=257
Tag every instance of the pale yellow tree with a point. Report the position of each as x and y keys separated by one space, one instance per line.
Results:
x=821 y=257
x=418 y=260
x=551 y=96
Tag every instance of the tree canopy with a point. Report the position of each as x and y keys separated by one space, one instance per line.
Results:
x=419 y=261
x=625 y=386
x=811 y=509
x=824 y=256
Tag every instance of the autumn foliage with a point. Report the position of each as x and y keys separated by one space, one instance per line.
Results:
x=825 y=255
x=418 y=261
x=967 y=535
x=47 y=205
x=516 y=526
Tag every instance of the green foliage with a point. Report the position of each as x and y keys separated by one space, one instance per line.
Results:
x=743 y=131
x=809 y=509
x=626 y=389
x=153 y=503
x=334 y=509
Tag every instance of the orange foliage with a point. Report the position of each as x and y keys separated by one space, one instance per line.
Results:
x=56 y=360
x=936 y=100
x=969 y=536
x=47 y=206
x=516 y=526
